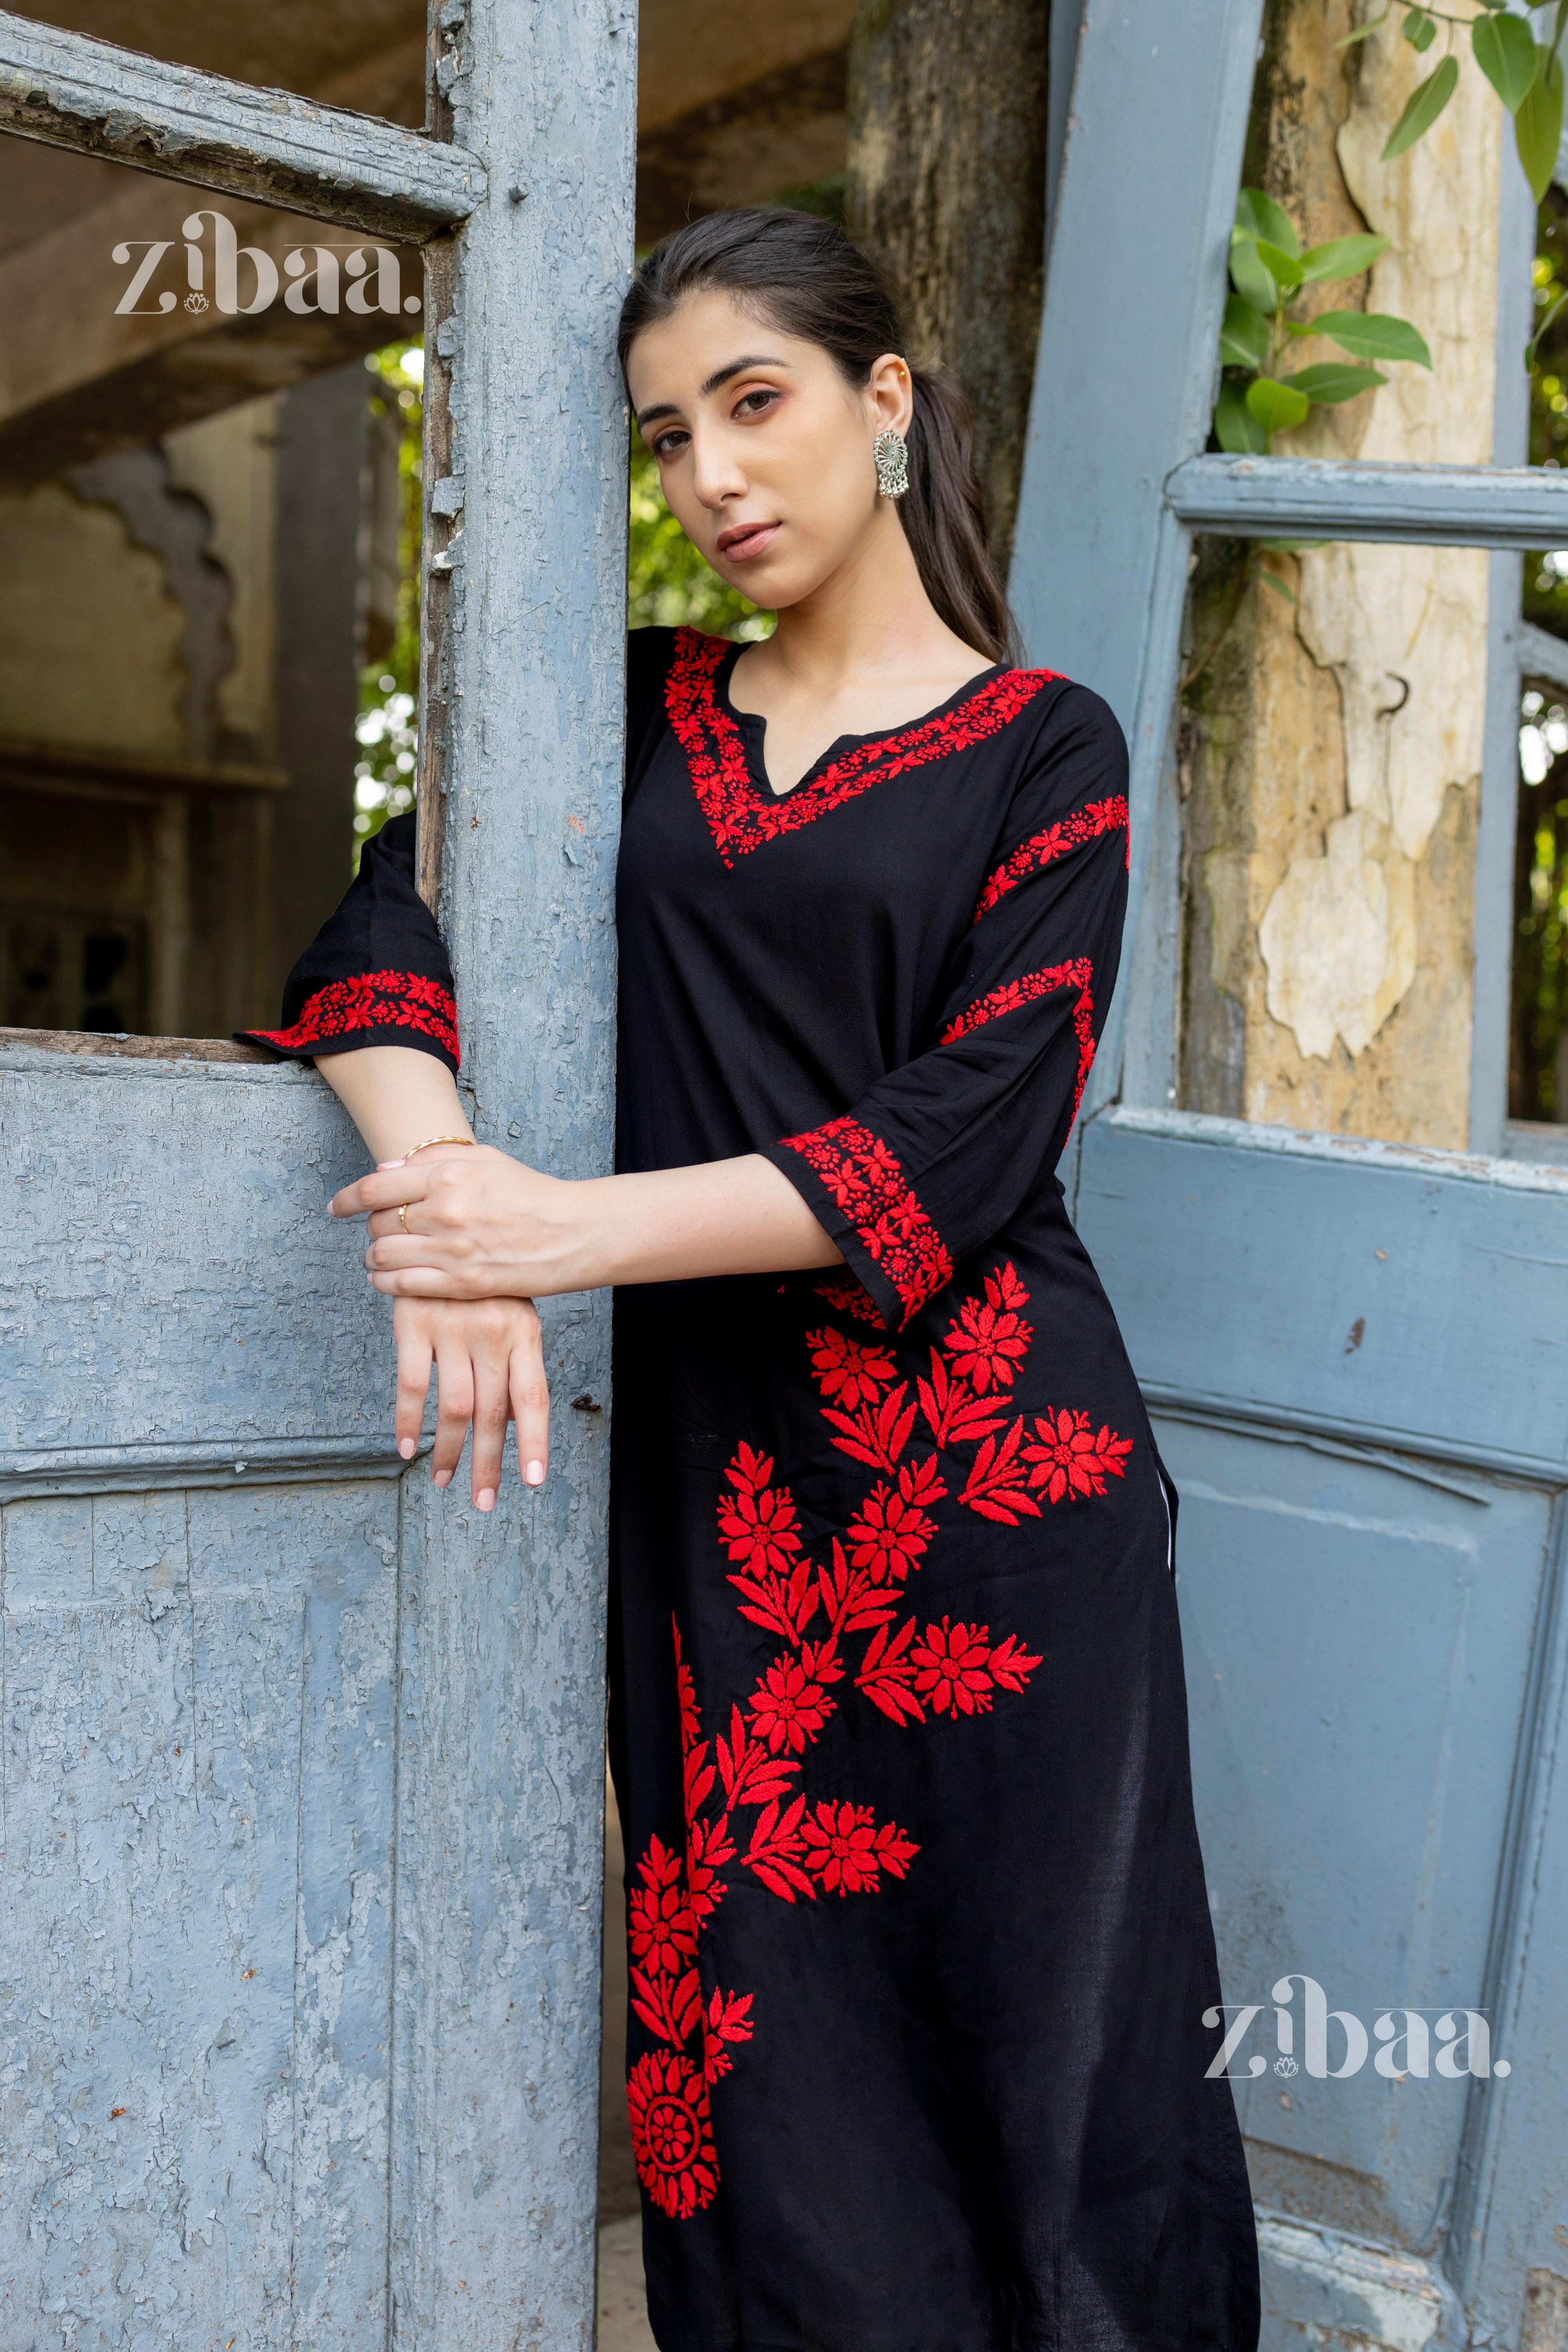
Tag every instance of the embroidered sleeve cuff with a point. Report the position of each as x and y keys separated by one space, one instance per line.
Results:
x=375 y=1008
x=861 y=1197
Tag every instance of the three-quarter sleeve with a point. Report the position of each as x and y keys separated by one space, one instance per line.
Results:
x=378 y=972
x=938 y=1156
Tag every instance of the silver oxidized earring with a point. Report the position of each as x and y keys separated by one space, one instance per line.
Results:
x=891 y=452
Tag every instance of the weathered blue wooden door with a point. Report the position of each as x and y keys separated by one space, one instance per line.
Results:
x=1355 y=1352
x=300 y=1765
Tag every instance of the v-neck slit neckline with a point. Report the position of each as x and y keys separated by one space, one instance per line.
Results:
x=752 y=728
x=742 y=810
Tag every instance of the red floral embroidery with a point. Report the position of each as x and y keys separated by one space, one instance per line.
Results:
x=990 y=1338
x=870 y=1188
x=672 y=2134
x=372 y=1000
x=850 y=1297
x=1043 y=849
x=1070 y=1459
x=799 y=1845
x=1013 y=993
x=740 y=819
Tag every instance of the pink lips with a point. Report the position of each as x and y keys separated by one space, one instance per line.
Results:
x=746 y=541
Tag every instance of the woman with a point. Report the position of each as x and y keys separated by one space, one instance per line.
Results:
x=920 y=1949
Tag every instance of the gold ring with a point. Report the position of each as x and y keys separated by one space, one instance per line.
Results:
x=402 y=1216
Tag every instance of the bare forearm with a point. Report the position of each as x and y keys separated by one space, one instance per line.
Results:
x=729 y=1216
x=395 y=1096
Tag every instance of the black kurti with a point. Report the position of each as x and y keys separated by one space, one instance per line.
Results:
x=919 y=1942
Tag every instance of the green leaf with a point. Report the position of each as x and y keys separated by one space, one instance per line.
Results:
x=1258 y=215
x=1505 y=52
x=1419 y=30
x=1538 y=124
x=1243 y=337
x=1277 y=406
x=1493 y=4
x=1283 y=267
x=1334 y=381
x=1374 y=335
x=1364 y=32
x=1248 y=275
x=1237 y=430
x=1272 y=580
x=1422 y=108
x=1547 y=322
x=1290 y=546
x=1342 y=256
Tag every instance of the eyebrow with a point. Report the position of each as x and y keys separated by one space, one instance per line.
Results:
x=720 y=375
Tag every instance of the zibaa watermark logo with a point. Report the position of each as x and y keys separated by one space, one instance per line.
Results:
x=365 y=281
x=1456 y=2043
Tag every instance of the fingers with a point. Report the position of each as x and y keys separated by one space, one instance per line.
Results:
x=454 y=1403
x=386 y=1188
x=414 y=1356
x=491 y=1412
x=530 y=1393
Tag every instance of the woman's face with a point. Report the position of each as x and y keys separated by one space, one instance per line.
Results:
x=763 y=448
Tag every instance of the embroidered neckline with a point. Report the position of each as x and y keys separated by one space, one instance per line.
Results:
x=740 y=819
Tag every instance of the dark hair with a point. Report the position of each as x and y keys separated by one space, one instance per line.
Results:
x=810 y=280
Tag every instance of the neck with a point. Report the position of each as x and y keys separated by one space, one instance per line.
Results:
x=871 y=615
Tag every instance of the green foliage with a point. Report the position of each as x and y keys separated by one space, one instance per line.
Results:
x=1268 y=272
x=389 y=688
x=1526 y=74
x=1422 y=108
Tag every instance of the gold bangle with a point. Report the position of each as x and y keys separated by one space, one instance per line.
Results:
x=437 y=1139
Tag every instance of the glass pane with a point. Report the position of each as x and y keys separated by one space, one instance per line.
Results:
x=1331 y=745
x=208 y=538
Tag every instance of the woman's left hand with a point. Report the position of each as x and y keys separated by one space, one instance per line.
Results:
x=474 y=1225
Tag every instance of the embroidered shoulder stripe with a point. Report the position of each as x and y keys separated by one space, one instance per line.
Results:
x=372 y=999
x=871 y=1189
x=1013 y=993
x=740 y=819
x=1042 y=849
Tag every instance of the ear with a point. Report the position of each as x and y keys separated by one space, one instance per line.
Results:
x=890 y=394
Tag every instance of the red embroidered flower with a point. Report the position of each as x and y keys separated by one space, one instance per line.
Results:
x=1071 y=1459
x=951 y=1668
x=672 y=2134
x=663 y=1932
x=843 y=1291
x=990 y=1337
x=848 y=1373
x=869 y=1186
x=759 y=1528
x=1042 y=849
x=889 y=1535
x=788 y=1708
x=846 y=1851
x=372 y=1000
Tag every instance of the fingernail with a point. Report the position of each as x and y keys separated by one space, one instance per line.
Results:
x=485 y=1500
x=443 y=1477
x=405 y=1447
x=534 y=1473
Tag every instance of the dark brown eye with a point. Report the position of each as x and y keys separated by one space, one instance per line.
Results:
x=752 y=403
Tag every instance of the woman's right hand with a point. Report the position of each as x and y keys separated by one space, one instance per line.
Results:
x=489 y=1361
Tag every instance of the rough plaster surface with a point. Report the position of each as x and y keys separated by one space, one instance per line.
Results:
x=1333 y=775
x=89 y=629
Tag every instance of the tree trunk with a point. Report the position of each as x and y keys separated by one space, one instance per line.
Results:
x=946 y=186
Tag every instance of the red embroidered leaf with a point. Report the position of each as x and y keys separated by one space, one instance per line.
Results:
x=1070 y=1459
x=750 y=1471
x=859 y=1438
x=1004 y=1290
x=782 y=1605
x=887 y=1675
x=751 y=1776
x=774 y=1851
x=725 y=2019
x=921 y=1483
x=820 y=1660
x=953 y=1413
x=650 y=2000
x=685 y=1694
x=708 y=1848
x=659 y=1866
x=995 y=1487
x=852 y=1602
x=699 y=1778
x=1011 y=1665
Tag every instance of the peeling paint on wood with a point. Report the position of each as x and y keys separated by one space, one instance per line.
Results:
x=68 y=90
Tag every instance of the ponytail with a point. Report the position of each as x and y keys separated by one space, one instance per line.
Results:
x=810 y=280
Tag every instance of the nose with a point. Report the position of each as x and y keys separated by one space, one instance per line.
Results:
x=717 y=476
